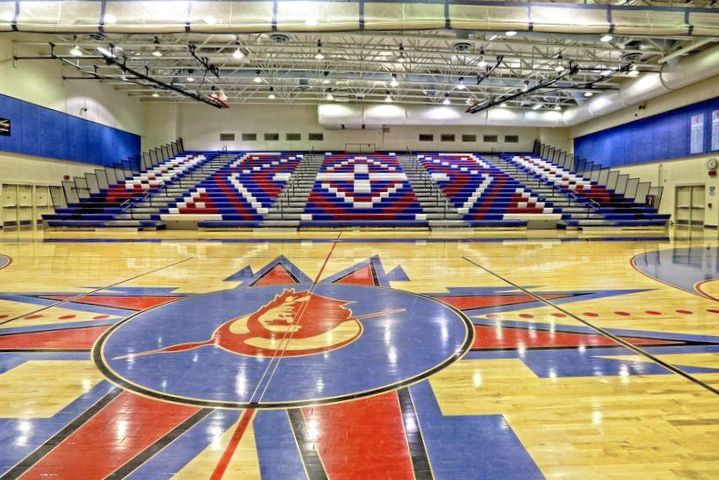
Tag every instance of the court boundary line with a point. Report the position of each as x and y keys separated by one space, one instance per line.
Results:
x=99 y=289
x=600 y=330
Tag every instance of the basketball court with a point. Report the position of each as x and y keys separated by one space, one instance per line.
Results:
x=359 y=240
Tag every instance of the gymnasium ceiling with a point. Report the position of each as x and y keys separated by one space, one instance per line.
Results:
x=409 y=66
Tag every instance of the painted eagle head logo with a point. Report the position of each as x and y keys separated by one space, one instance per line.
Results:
x=291 y=324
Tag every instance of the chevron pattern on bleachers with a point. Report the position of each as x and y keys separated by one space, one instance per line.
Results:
x=102 y=207
x=484 y=194
x=610 y=207
x=362 y=190
x=238 y=194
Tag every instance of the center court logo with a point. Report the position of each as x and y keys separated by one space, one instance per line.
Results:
x=297 y=346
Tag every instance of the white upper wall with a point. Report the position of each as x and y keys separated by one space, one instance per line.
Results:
x=40 y=82
x=200 y=127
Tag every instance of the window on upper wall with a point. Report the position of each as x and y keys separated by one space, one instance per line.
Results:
x=511 y=138
x=272 y=137
x=447 y=137
x=249 y=137
x=489 y=138
x=227 y=137
x=426 y=137
x=293 y=137
x=316 y=137
x=469 y=138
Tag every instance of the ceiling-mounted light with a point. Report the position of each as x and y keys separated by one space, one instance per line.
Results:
x=319 y=55
x=326 y=81
x=388 y=98
x=460 y=83
x=190 y=78
x=107 y=52
x=633 y=71
x=156 y=52
x=606 y=38
x=155 y=94
x=559 y=68
x=329 y=97
x=510 y=33
x=493 y=37
x=258 y=78
x=75 y=51
x=537 y=106
x=110 y=19
x=238 y=54
x=400 y=56
x=271 y=95
x=394 y=83
x=588 y=94
x=525 y=86
x=482 y=62
x=503 y=105
x=557 y=108
x=123 y=77
x=446 y=100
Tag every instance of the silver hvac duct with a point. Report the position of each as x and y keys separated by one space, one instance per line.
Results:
x=689 y=70
x=221 y=16
x=645 y=87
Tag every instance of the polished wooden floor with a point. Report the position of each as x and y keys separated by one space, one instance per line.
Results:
x=359 y=355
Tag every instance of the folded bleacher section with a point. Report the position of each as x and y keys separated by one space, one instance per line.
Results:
x=239 y=194
x=362 y=190
x=101 y=209
x=483 y=194
x=609 y=208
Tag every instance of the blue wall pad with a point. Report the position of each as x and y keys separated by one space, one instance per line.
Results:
x=659 y=137
x=43 y=132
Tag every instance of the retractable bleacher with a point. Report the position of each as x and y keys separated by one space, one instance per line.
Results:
x=102 y=209
x=239 y=194
x=484 y=195
x=370 y=190
x=609 y=207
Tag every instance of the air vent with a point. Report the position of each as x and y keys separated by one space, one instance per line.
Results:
x=279 y=38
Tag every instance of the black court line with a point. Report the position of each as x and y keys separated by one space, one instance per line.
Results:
x=149 y=452
x=310 y=456
x=602 y=331
x=415 y=441
x=86 y=294
x=29 y=461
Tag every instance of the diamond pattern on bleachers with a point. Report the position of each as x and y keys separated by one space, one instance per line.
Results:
x=482 y=193
x=358 y=189
x=238 y=194
x=612 y=208
x=105 y=205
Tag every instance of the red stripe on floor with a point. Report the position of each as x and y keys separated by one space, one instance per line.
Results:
x=116 y=434
x=371 y=434
x=73 y=339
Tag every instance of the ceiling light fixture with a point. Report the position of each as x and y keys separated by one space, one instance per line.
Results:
x=326 y=81
x=557 y=108
x=388 y=98
x=258 y=78
x=394 y=83
x=460 y=83
x=110 y=19
x=155 y=94
x=510 y=33
x=319 y=55
x=633 y=71
x=238 y=54
x=537 y=106
x=559 y=68
x=525 y=87
x=271 y=95
x=75 y=51
x=446 y=100
x=588 y=94
x=107 y=52
x=190 y=78
x=400 y=57
x=606 y=38
x=156 y=52
x=329 y=97
x=503 y=105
